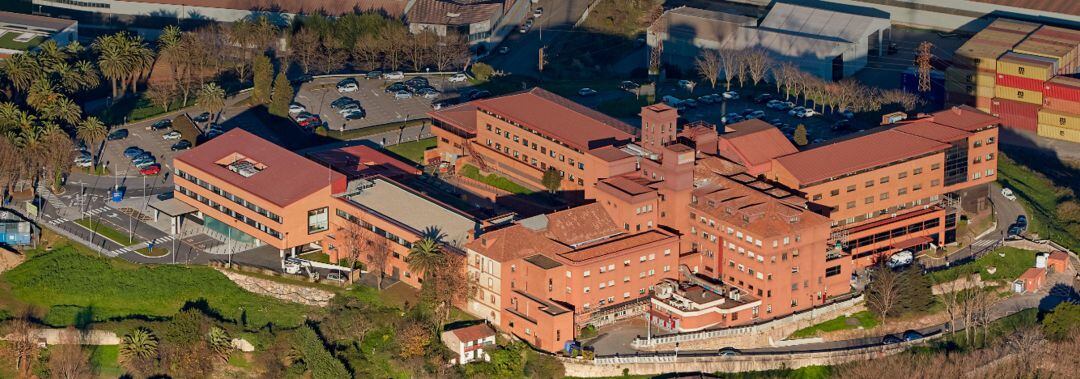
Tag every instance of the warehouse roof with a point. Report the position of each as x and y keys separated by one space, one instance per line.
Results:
x=816 y=21
x=333 y=7
x=453 y=12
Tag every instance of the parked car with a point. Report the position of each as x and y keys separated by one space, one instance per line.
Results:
x=707 y=99
x=841 y=125
x=428 y=93
x=181 y=145
x=160 y=125
x=690 y=103
x=444 y=103
x=538 y=12
x=394 y=75
x=337 y=103
x=144 y=164
x=117 y=135
x=132 y=152
x=1008 y=194
x=504 y=49
x=84 y=161
x=900 y=259
x=305 y=116
x=480 y=94
x=354 y=114
x=774 y=104
x=295 y=108
x=586 y=92
x=891 y=340
x=348 y=107
x=523 y=29
x=1022 y=221
x=396 y=87
x=171 y=135
x=348 y=85
x=1014 y=231
x=911 y=335
x=627 y=85
x=729 y=352
x=153 y=169
x=403 y=95
x=373 y=74
x=202 y=117
x=730 y=95
x=797 y=111
x=685 y=84
x=762 y=98
x=810 y=112
x=458 y=78
x=671 y=100
x=213 y=134
x=756 y=114
x=848 y=114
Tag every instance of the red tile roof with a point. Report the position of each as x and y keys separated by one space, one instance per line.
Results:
x=965 y=118
x=361 y=161
x=927 y=128
x=756 y=142
x=514 y=242
x=287 y=177
x=559 y=118
x=1057 y=6
x=632 y=186
x=615 y=245
x=473 y=333
x=609 y=154
x=856 y=154
x=459 y=116
x=453 y=12
x=580 y=225
x=750 y=209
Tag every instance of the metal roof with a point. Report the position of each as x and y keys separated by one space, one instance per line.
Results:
x=819 y=22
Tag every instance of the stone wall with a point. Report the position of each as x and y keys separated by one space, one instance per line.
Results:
x=289 y=292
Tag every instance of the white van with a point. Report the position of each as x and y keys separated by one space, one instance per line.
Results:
x=900 y=259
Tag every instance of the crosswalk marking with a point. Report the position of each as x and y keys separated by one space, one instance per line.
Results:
x=982 y=243
x=140 y=245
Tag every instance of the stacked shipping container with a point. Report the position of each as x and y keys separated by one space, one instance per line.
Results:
x=1026 y=89
x=1059 y=117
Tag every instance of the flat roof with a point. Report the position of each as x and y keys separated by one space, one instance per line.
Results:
x=284 y=178
x=864 y=152
x=559 y=118
x=413 y=210
x=461 y=116
x=361 y=160
x=542 y=261
x=810 y=20
x=172 y=206
x=42 y=23
x=615 y=245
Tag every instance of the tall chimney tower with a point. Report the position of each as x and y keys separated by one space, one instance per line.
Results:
x=658 y=126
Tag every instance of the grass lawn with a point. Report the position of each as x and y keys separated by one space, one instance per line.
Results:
x=625 y=107
x=98 y=170
x=105 y=360
x=155 y=252
x=134 y=109
x=1039 y=197
x=1014 y=263
x=106 y=231
x=493 y=180
x=75 y=287
x=316 y=257
x=865 y=320
x=413 y=151
x=7 y=41
x=237 y=359
x=363 y=132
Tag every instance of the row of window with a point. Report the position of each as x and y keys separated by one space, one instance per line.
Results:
x=522 y=127
x=611 y=299
x=626 y=279
x=236 y=199
x=228 y=211
x=883 y=180
x=534 y=162
x=377 y=230
x=737 y=233
x=87 y=4
x=889 y=234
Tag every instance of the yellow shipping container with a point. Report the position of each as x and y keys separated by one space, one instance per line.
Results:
x=976 y=85
x=1041 y=71
x=1016 y=94
x=1058 y=118
x=1050 y=131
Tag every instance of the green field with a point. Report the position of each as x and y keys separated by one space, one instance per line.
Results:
x=1040 y=198
x=865 y=319
x=493 y=180
x=7 y=41
x=107 y=231
x=1014 y=263
x=105 y=360
x=77 y=288
x=413 y=151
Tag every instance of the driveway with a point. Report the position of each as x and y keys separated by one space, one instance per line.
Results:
x=1005 y=213
x=556 y=23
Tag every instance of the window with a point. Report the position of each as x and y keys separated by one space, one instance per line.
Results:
x=935 y=183
x=916 y=187
x=586 y=274
x=935 y=166
x=851 y=188
x=834 y=192
x=868 y=200
x=832 y=271
x=884 y=195
x=586 y=289
x=1019 y=94
x=869 y=183
x=318 y=220
x=901 y=175
x=902 y=191
x=884 y=179
x=850 y=204
x=916 y=171
x=817 y=197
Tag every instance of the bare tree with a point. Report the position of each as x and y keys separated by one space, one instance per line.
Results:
x=758 y=63
x=366 y=51
x=418 y=48
x=950 y=298
x=884 y=291
x=392 y=45
x=305 y=46
x=22 y=344
x=708 y=66
x=67 y=360
x=730 y=63
x=449 y=50
x=161 y=94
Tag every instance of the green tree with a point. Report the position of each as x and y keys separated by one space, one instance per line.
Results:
x=425 y=257
x=282 y=96
x=318 y=360
x=263 y=76
x=551 y=180
x=91 y=131
x=1062 y=321
x=916 y=295
x=800 y=135
x=482 y=71
x=212 y=98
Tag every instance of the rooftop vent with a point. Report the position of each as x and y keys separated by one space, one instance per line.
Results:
x=245 y=168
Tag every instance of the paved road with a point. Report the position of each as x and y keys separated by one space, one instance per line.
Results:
x=559 y=17
x=1005 y=213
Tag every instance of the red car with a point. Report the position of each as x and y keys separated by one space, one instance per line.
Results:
x=151 y=170
x=310 y=122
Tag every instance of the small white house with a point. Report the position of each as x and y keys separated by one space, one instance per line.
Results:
x=470 y=343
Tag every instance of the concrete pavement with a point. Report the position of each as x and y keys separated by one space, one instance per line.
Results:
x=556 y=23
x=1005 y=213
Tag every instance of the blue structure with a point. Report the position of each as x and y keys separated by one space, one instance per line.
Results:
x=935 y=98
x=15 y=233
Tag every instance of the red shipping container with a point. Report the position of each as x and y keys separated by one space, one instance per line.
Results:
x=1016 y=114
x=1019 y=82
x=1061 y=87
x=983 y=102
x=1061 y=105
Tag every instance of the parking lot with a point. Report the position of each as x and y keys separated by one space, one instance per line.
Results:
x=138 y=136
x=380 y=107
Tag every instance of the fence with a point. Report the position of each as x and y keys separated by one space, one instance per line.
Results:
x=970 y=258
x=744 y=330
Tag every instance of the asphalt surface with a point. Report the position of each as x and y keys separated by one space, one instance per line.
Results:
x=381 y=107
x=1005 y=214
x=556 y=23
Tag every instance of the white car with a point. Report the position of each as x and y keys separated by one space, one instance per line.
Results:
x=797 y=111
x=348 y=87
x=685 y=83
x=809 y=113
x=394 y=75
x=296 y=108
x=538 y=12
x=83 y=161
x=730 y=95
x=457 y=78
x=1008 y=194
x=171 y=135
x=403 y=95
x=586 y=91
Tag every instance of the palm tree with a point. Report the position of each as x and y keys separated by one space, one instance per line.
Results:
x=91 y=131
x=111 y=59
x=63 y=109
x=20 y=70
x=425 y=256
x=212 y=97
x=139 y=344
